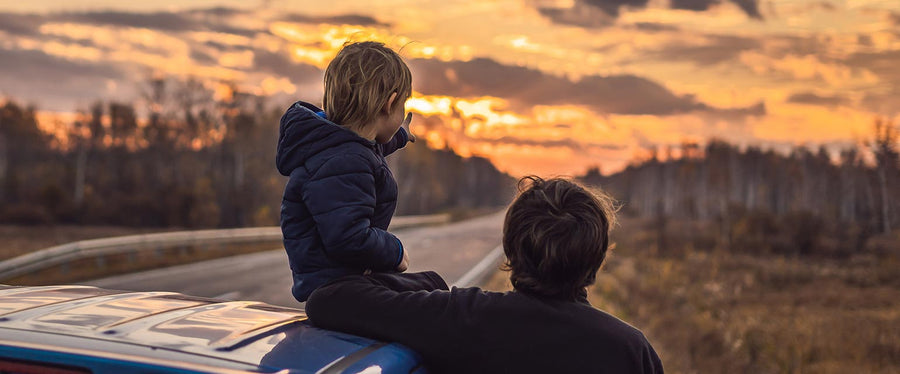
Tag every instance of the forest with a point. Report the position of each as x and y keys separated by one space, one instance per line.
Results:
x=750 y=199
x=187 y=156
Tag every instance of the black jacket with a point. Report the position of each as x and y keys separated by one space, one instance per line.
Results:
x=338 y=202
x=467 y=330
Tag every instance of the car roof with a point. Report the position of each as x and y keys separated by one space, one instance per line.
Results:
x=237 y=334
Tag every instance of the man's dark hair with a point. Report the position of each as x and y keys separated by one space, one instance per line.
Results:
x=555 y=237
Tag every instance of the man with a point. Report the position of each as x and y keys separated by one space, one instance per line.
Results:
x=555 y=238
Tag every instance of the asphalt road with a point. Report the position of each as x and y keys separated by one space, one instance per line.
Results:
x=450 y=249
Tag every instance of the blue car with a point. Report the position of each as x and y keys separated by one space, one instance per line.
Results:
x=82 y=329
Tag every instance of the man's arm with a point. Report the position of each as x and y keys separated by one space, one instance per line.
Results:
x=652 y=363
x=413 y=309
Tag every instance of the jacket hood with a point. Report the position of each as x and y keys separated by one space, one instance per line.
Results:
x=304 y=133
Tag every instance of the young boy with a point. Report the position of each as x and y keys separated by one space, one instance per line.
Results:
x=341 y=195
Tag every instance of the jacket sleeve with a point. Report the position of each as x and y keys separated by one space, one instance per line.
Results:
x=413 y=309
x=398 y=141
x=652 y=364
x=340 y=196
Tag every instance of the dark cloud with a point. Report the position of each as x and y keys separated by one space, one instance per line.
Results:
x=719 y=48
x=602 y=13
x=202 y=58
x=695 y=5
x=589 y=13
x=565 y=143
x=217 y=19
x=885 y=99
x=790 y=45
x=751 y=111
x=883 y=64
x=32 y=62
x=217 y=46
x=211 y=19
x=220 y=12
x=864 y=40
x=751 y=7
x=20 y=24
x=51 y=82
x=226 y=47
x=894 y=18
x=280 y=64
x=824 y=5
x=207 y=19
x=164 y=21
x=227 y=29
x=29 y=24
x=621 y=94
x=611 y=7
x=578 y=16
x=214 y=19
x=344 y=19
x=886 y=103
x=813 y=99
x=655 y=27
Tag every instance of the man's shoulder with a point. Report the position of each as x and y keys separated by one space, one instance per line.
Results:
x=579 y=315
x=615 y=327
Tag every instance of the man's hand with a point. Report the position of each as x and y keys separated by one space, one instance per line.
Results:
x=405 y=126
x=404 y=263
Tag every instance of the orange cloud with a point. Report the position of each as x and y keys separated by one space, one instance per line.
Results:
x=271 y=86
x=243 y=59
x=808 y=67
x=811 y=124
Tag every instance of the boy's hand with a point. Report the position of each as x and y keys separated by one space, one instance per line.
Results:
x=405 y=126
x=404 y=263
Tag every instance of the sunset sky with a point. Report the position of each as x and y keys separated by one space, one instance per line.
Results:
x=546 y=87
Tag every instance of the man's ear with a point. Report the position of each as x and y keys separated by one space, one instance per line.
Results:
x=386 y=110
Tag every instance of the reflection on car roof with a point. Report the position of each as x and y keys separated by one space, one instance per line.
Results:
x=248 y=333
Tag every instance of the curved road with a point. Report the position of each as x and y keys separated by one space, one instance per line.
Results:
x=450 y=249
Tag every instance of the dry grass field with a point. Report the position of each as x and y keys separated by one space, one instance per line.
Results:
x=713 y=311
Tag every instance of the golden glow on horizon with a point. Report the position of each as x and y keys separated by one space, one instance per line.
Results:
x=817 y=124
x=484 y=109
x=317 y=44
x=271 y=86
x=480 y=127
x=223 y=92
x=430 y=105
x=243 y=59
x=691 y=54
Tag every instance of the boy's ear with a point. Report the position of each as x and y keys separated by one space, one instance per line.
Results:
x=390 y=103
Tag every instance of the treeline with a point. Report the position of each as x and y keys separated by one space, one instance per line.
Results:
x=185 y=156
x=762 y=200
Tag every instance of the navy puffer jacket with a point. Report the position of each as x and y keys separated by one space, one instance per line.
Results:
x=338 y=202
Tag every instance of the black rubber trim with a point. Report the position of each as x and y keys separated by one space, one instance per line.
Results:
x=344 y=363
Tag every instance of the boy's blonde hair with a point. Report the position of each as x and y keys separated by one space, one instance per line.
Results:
x=359 y=82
